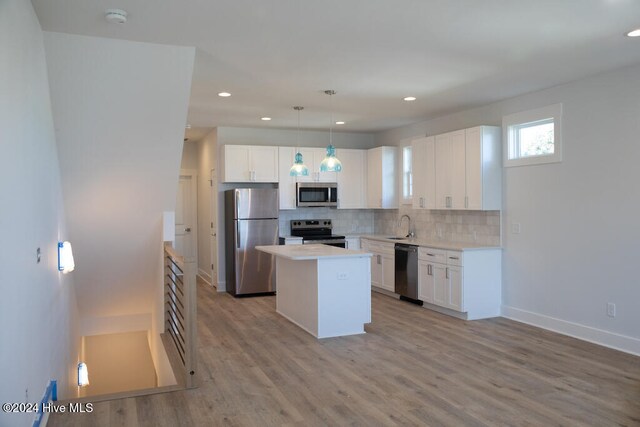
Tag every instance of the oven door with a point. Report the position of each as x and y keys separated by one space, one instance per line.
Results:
x=314 y=194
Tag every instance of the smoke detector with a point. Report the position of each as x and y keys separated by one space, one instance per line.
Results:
x=115 y=16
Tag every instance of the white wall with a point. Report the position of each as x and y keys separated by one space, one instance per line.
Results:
x=189 y=156
x=290 y=138
x=207 y=160
x=578 y=245
x=120 y=110
x=38 y=338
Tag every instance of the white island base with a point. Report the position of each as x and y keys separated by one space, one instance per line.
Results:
x=324 y=290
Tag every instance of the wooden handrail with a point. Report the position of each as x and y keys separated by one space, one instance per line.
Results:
x=179 y=259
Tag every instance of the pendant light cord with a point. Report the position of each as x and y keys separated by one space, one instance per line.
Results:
x=330 y=93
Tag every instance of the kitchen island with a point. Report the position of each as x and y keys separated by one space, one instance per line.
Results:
x=323 y=289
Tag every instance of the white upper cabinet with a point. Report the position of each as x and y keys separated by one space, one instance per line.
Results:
x=468 y=171
x=450 y=170
x=286 y=182
x=382 y=188
x=351 y=181
x=248 y=163
x=423 y=167
x=312 y=157
x=483 y=171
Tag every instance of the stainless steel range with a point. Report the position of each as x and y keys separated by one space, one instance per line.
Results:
x=316 y=231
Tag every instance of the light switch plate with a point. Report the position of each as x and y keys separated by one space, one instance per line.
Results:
x=515 y=227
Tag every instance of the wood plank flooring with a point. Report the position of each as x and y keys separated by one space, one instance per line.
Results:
x=413 y=367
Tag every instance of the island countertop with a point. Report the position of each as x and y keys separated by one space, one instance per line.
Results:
x=308 y=252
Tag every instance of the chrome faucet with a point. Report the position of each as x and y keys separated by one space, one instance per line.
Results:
x=409 y=232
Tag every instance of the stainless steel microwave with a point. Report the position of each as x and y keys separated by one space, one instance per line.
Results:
x=316 y=194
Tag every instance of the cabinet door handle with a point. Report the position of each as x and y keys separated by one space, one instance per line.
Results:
x=454 y=257
x=466 y=202
x=429 y=270
x=446 y=272
x=379 y=261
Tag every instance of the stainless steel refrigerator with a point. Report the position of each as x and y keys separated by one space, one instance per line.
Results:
x=251 y=219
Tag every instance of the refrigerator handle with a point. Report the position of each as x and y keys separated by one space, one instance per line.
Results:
x=237 y=235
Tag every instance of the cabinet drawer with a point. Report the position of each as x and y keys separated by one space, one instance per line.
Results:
x=370 y=245
x=433 y=255
x=454 y=258
x=387 y=248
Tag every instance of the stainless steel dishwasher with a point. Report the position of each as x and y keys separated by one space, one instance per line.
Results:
x=406 y=272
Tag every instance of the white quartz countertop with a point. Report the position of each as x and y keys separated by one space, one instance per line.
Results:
x=438 y=244
x=306 y=252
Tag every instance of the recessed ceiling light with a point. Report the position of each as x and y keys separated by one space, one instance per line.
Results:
x=224 y=94
x=266 y=119
x=409 y=98
x=339 y=123
x=634 y=33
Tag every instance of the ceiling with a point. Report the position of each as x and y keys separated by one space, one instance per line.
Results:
x=452 y=55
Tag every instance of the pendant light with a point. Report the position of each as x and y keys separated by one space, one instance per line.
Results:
x=330 y=163
x=298 y=168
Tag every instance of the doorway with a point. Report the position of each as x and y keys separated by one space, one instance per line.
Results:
x=186 y=215
x=213 y=234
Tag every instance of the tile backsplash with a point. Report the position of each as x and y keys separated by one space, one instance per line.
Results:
x=481 y=227
x=345 y=221
x=456 y=226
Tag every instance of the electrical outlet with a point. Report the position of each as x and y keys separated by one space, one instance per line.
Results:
x=515 y=228
x=343 y=276
x=439 y=232
x=611 y=309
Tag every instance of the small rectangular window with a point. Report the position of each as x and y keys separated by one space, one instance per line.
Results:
x=533 y=137
x=407 y=176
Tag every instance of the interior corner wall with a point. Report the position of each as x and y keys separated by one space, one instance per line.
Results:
x=120 y=110
x=577 y=250
x=189 y=156
x=207 y=161
x=39 y=337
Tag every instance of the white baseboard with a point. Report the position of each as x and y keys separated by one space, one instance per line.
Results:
x=575 y=330
x=204 y=276
x=222 y=287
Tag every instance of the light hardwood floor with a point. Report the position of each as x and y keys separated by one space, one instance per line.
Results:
x=413 y=367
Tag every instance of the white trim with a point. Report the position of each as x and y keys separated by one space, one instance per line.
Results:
x=404 y=144
x=222 y=286
x=549 y=112
x=193 y=173
x=586 y=333
x=204 y=276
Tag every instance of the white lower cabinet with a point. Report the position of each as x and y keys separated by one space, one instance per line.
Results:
x=382 y=263
x=388 y=272
x=472 y=287
x=292 y=240
x=353 y=243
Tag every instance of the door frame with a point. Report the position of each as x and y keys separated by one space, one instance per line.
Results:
x=213 y=230
x=193 y=173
